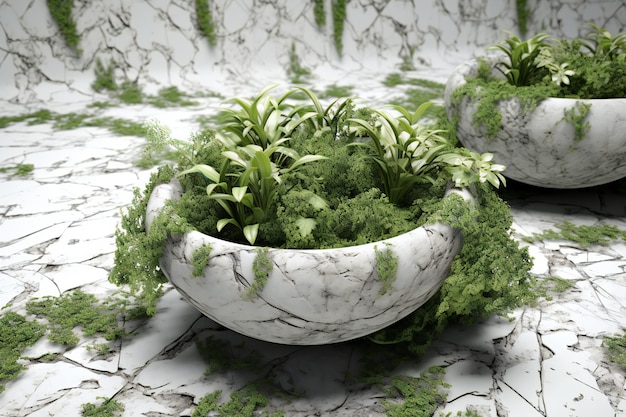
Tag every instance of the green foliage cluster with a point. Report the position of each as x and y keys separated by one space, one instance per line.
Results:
x=523 y=11
x=339 y=16
x=420 y=396
x=108 y=408
x=244 y=402
x=417 y=92
x=616 y=347
x=16 y=333
x=205 y=21
x=61 y=11
x=336 y=91
x=583 y=235
x=76 y=308
x=21 y=170
x=489 y=276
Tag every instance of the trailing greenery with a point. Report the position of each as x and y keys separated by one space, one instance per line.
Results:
x=61 y=11
x=584 y=235
x=489 y=276
x=337 y=91
x=420 y=91
x=205 y=21
x=339 y=16
x=108 y=408
x=616 y=347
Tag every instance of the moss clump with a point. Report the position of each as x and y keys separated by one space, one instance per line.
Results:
x=522 y=16
x=420 y=397
x=296 y=72
x=244 y=402
x=337 y=91
x=21 y=170
x=16 y=333
x=261 y=267
x=105 y=77
x=205 y=21
x=200 y=258
x=616 y=347
x=66 y=312
x=61 y=11
x=583 y=235
x=108 y=408
x=577 y=116
x=386 y=267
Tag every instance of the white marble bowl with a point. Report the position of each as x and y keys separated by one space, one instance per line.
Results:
x=539 y=148
x=311 y=296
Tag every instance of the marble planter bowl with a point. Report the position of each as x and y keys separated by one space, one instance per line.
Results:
x=311 y=297
x=538 y=148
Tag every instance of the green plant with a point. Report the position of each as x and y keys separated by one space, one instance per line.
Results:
x=205 y=20
x=582 y=234
x=601 y=42
x=61 y=11
x=522 y=16
x=421 y=396
x=522 y=54
x=108 y=408
x=20 y=170
x=319 y=13
x=200 y=258
x=261 y=267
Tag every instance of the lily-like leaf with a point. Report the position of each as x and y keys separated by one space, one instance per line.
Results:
x=305 y=226
x=239 y=193
x=251 y=232
x=206 y=170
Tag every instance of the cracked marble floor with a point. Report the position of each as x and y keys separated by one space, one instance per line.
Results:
x=57 y=235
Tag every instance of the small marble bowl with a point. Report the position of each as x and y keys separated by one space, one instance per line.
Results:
x=311 y=297
x=540 y=148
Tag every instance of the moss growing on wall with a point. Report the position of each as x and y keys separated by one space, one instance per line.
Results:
x=205 y=20
x=522 y=16
x=339 y=15
x=61 y=11
x=319 y=13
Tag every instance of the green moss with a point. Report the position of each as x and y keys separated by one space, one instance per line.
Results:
x=61 y=11
x=339 y=16
x=319 y=13
x=522 y=16
x=419 y=397
x=584 y=235
x=105 y=77
x=577 y=116
x=296 y=72
x=244 y=402
x=200 y=258
x=169 y=97
x=66 y=312
x=130 y=93
x=21 y=170
x=100 y=348
x=616 y=347
x=38 y=117
x=337 y=91
x=16 y=333
x=205 y=21
x=108 y=408
x=386 y=267
x=261 y=267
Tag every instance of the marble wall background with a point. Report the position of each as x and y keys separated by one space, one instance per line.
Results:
x=158 y=42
